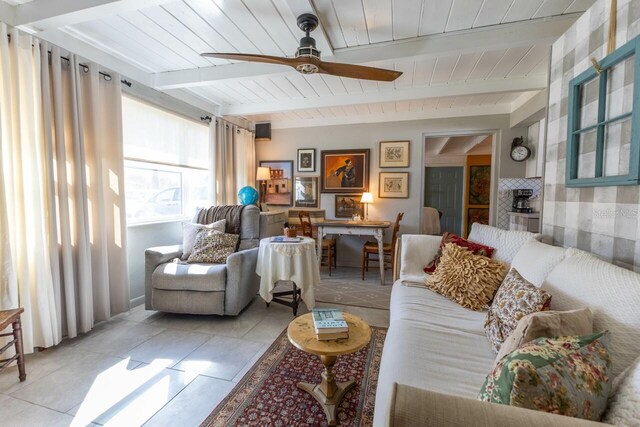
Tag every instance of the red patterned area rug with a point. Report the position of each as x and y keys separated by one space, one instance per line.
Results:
x=268 y=396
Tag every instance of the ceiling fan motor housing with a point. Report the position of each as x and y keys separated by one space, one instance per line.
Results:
x=307 y=23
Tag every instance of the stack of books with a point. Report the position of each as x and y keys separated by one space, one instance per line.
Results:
x=330 y=324
x=285 y=239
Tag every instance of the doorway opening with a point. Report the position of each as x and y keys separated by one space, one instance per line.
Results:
x=457 y=182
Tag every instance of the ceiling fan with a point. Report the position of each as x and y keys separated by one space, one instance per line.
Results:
x=307 y=58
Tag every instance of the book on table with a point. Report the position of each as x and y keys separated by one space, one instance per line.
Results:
x=329 y=324
x=284 y=239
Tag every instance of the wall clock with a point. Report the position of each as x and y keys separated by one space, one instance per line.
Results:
x=519 y=151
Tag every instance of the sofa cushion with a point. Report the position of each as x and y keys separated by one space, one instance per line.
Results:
x=475 y=248
x=468 y=279
x=624 y=402
x=535 y=260
x=613 y=295
x=515 y=298
x=547 y=324
x=506 y=242
x=174 y=276
x=417 y=354
x=190 y=231
x=566 y=376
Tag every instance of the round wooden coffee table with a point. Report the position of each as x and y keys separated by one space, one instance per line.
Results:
x=302 y=334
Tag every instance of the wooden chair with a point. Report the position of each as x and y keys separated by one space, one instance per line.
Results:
x=12 y=317
x=329 y=252
x=388 y=249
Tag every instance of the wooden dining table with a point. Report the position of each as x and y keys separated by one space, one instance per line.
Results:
x=354 y=228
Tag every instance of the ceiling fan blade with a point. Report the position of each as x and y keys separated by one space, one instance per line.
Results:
x=357 y=71
x=292 y=62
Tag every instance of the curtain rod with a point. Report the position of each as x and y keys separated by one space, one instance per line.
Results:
x=85 y=68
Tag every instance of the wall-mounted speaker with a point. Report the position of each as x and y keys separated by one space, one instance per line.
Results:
x=263 y=131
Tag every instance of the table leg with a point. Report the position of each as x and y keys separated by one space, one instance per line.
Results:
x=17 y=335
x=328 y=393
x=319 y=248
x=295 y=299
x=379 y=238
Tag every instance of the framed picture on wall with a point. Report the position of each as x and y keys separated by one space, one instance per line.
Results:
x=307 y=160
x=479 y=215
x=306 y=192
x=394 y=154
x=479 y=185
x=344 y=171
x=279 y=187
x=348 y=204
x=393 y=185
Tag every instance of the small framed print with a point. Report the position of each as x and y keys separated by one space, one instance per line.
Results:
x=347 y=205
x=394 y=154
x=393 y=185
x=306 y=192
x=307 y=160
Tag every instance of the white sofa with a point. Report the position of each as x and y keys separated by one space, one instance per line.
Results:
x=436 y=356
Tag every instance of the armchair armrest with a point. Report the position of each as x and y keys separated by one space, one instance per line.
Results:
x=412 y=406
x=153 y=257
x=416 y=252
x=242 y=281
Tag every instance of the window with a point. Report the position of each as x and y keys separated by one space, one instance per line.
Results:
x=166 y=166
x=603 y=130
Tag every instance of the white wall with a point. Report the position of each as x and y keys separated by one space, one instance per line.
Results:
x=285 y=142
x=139 y=238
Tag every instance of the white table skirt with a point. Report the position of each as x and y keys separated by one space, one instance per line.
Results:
x=288 y=261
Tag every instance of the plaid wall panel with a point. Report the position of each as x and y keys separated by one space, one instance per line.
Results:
x=601 y=220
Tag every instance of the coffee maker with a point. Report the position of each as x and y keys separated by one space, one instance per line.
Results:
x=521 y=200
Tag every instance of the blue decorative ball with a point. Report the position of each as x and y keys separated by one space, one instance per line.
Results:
x=248 y=195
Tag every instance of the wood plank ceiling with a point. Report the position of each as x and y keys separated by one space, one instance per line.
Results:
x=164 y=39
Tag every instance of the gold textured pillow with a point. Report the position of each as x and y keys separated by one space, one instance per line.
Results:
x=468 y=279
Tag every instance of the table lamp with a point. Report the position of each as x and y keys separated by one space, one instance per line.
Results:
x=263 y=175
x=366 y=199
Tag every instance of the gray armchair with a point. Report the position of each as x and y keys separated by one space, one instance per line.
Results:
x=223 y=289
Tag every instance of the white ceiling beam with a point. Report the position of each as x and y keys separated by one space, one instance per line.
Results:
x=443 y=113
x=440 y=148
x=7 y=13
x=297 y=8
x=473 y=143
x=516 y=84
x=43 y=15
x=543 y=31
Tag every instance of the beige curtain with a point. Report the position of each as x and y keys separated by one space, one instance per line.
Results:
x=85 y=174
x=63 y=244
x=233 y=160
x=26 y=278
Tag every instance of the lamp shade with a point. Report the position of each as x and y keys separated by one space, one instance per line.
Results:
x=263 y=174
x=367 y=198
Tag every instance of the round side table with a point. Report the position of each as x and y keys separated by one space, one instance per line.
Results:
x=302 y=334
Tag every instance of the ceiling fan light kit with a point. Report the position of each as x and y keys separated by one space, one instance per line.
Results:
x=307 y=58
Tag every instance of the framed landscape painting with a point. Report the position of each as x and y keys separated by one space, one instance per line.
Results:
x=344 y=171
x=279 y=187
x=394 y=154
x=349 y=204
x=307 y=160
x=306 y=192
x=393 y=185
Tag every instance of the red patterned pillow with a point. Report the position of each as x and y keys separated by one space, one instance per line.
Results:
x=475 y=248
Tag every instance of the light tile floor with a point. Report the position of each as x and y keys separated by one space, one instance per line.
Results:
x=147 y=368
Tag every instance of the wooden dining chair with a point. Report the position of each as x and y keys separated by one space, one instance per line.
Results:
x=388 y=250
x=329 y=252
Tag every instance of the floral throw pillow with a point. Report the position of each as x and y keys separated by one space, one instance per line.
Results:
x=515 y=298
x=213 y=247
x=474 y=247
x=467 y=279
x=565 y=375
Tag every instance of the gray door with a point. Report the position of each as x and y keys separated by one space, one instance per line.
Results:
x=443 y=191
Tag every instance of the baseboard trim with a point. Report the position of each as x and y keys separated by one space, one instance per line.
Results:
x=136 y=301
